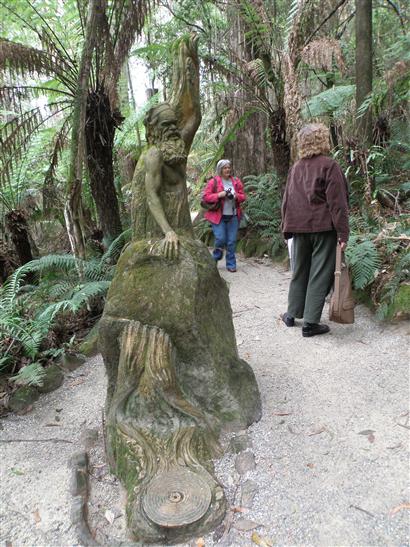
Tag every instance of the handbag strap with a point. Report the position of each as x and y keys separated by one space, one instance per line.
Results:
x=338 y=272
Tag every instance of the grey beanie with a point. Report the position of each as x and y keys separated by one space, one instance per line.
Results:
x=220 y=165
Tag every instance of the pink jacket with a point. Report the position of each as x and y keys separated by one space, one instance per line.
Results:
x=212 y=197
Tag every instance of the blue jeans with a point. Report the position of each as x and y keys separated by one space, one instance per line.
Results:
x=225 y=236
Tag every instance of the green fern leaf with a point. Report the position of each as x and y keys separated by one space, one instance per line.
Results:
x=30 y=375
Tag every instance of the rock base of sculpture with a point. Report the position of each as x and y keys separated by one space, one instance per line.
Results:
x=175 y=382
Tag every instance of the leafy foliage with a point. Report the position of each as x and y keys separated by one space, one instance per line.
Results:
x=30 y=375
x=330 y=101
x=364 y=261
x=263 y=207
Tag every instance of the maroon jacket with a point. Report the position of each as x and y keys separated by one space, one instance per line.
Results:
x=316 y=198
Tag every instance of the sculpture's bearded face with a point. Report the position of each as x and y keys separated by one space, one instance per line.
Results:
x=162 y=130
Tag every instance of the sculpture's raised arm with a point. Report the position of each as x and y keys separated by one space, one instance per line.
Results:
x=185 y=95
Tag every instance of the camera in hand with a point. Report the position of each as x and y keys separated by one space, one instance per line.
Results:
x=229 y=193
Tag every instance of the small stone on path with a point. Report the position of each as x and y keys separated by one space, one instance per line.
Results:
x=240 y=443
x=244 y=525
x=245 y=462
x=248 y=492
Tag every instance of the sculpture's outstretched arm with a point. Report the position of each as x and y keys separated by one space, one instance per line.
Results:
x=185 y=88
x=153 y=175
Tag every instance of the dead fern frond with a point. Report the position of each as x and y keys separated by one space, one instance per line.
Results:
x=127 y=26
x=323 y=53
x=16 y=135
x=23 y=60
x=50 y=196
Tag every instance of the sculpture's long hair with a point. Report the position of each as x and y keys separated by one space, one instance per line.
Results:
x=313 y=139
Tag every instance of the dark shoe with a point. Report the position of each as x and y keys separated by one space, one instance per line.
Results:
x=288 y=319
x=312 y=329
x=232 y=270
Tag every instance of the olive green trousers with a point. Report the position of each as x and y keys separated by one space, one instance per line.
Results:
x=314 y=266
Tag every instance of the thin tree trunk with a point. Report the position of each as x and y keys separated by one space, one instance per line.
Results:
x=73 y=208
x=364 y=73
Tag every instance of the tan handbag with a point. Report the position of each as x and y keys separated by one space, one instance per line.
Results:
x=341 y=308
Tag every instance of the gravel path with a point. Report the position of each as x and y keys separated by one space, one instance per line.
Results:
x=331 y=449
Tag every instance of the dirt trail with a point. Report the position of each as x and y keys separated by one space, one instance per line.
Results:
x=331 y=449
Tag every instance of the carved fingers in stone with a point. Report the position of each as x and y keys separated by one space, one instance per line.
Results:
x=171 y=245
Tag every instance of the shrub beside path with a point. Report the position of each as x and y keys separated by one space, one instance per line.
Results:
x=327 y=464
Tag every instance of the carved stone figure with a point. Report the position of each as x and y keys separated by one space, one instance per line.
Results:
x=175 y=380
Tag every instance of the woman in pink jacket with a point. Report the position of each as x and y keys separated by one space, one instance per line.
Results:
x=228 y=192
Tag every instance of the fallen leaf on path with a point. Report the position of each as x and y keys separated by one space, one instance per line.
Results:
x=109 y=516
x=8 y=543
x=200 y=542
x=262 y=542
x=76 y=382
x=16 y=471
x=238 y=509
x=317 y=432
x=244 y=525
x=399 y=508
x=282 y=413
x=371 y=438
x=394 y=447
x=310 y=465
x=36 y=515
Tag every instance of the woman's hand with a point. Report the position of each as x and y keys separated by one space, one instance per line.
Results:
x=342 y=245
x=221 y=194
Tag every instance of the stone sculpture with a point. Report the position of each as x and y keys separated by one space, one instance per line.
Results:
x=175 y=380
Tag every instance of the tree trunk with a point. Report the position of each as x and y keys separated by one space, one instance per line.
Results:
x=280 y=147
x=99 y=136
x=16 y=223
x=248 y=150
x=73 y=207
x=364 y=72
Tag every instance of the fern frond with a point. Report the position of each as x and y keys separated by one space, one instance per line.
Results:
x=29 y=333
x=23 y=60
x=364 y=261
x=79 y=300
x=30 y=375
x=50 y=197
x=257 y=72
x=113 y=252
x=330 y=101
x=17 y=134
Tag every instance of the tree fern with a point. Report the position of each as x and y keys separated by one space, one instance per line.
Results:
x=364 y=261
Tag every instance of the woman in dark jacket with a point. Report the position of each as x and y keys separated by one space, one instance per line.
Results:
x=315 y=214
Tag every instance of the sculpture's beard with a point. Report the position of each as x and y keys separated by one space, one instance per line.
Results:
x=173 y=150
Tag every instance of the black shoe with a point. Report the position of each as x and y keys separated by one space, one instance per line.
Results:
x=288 y=319
x=312 y=329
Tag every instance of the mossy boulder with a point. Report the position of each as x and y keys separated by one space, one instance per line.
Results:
x=22 y=398
x=400 y=307
x=52 y=380
x=71 y=361
x=89 y=346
